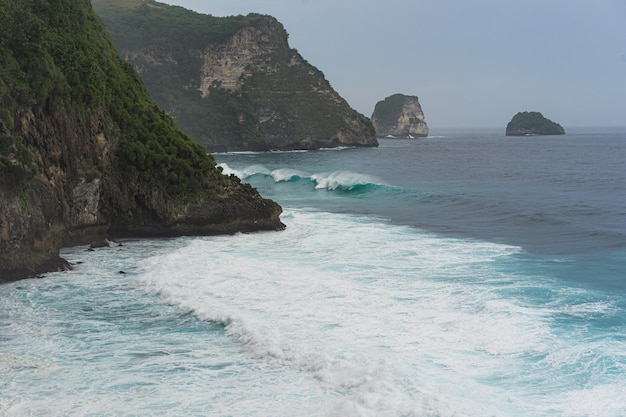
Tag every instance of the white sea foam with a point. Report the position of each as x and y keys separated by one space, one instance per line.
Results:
x=246 y=172
x=287 y=174
x=336 y=316
x=324 y=180
x=375 y=312
x=342 y=179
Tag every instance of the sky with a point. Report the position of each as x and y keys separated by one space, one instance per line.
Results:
x=471 y=63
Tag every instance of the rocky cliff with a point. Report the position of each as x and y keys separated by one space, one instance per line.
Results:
x=232 y=83
x=399 y=116
x=84 y=153
x=532 y=123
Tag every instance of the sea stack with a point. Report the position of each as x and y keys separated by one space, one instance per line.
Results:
x=532 y=123
x=399 y=116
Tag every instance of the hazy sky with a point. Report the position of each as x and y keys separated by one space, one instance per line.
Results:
x=472 y=63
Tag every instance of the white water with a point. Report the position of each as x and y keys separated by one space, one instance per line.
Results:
x=331 y=181
x=336 y=316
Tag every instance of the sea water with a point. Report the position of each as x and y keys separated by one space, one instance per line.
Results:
x=467 y=274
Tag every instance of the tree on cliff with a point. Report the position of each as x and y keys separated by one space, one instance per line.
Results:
x=85 y=153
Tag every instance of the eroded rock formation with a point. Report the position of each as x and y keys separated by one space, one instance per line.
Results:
x=399 y=116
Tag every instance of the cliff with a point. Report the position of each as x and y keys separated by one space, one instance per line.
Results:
x=232 y=83
x=84 y=153
x=532 y=123
x=399 y=116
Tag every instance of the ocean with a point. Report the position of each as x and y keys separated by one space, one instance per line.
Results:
x=463 y=274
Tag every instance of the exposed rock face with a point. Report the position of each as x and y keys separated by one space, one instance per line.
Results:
x=76 y=168
x=399 y=116
x=532 y=123
x=244 y=89
x=230 y=63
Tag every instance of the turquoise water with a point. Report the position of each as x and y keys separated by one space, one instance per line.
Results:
x=467 y=274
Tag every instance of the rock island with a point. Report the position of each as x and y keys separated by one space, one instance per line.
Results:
x=399 y=116
x=532 y=123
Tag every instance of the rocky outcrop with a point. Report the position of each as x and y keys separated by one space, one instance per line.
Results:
x=532 y=123
x=238 y=85
x=85 y=155
x=399 y=116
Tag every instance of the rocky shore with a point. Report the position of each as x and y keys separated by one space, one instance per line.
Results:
x=85 y=155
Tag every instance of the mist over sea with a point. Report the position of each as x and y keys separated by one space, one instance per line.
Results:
x=463 y=274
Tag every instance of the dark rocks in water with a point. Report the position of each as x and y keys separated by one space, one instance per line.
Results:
x=399 y=116
x=86 y=156
x=532 y=123
x=99 y=244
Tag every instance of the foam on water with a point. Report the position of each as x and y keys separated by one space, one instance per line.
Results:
x=336 y=180
x=336 y=316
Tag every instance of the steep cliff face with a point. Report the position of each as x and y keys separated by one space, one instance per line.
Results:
x=399 y=116
x=235 y=84
x=85 y=155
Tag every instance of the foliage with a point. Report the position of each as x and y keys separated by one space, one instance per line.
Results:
x=56 y=54
x=16 y=161
x=178 y=36
x=175 y=28
x=280 y=95
x=317 y=115
x=230 y=116
x=153 y=147
x=388 y=110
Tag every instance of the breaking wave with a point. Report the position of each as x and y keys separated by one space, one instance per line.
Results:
x=330 y=181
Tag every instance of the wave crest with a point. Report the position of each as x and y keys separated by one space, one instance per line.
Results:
x=343 y=180
x=330 y=181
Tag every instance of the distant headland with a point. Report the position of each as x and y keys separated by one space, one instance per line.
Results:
x=232 y=83
x=532 y=123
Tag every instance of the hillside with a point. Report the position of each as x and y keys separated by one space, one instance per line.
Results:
x=84 y=152
x=232 y=83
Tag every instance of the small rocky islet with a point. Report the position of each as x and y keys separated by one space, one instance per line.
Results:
x=532 y=123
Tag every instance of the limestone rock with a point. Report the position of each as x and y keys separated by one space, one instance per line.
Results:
x=399 y=116
x=232 y=83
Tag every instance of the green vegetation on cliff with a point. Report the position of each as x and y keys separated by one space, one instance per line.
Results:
x=55 y=54
x=532 y=123
x=17 y=165
x=388 y=110
x=230 y=82
x=168 y=34
x=86 y=155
